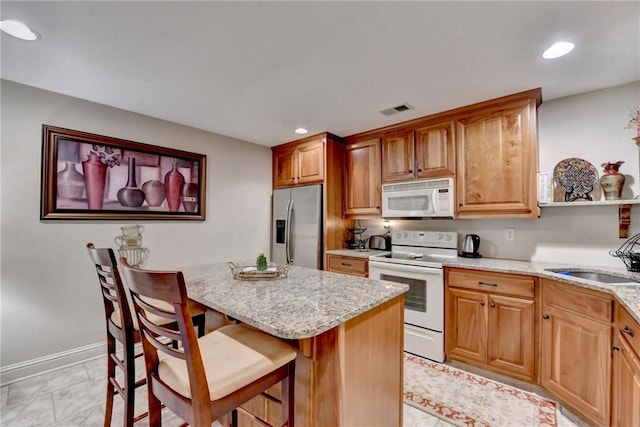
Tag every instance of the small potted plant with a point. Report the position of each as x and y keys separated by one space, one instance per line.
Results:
x=95 y=173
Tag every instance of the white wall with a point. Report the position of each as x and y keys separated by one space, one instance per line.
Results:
x=49 y=291
x=590 y=126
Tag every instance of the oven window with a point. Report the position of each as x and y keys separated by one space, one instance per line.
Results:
x=416 y=298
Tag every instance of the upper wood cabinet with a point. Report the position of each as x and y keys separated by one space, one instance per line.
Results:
x=298 y=163
x=418 y=153
x=362 y=187
x=496 y=148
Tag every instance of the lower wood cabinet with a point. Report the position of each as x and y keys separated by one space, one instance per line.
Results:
x=354 y=266
x=576 y=348
x=625 y=397
x=490 y=321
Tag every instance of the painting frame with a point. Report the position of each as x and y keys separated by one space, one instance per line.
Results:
x=86 y=176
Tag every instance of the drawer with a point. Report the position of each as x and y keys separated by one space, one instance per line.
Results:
x=499 y=283
x=593 y=304
x=628 y=328
x=348 y=265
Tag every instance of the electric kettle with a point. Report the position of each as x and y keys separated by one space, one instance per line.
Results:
x=471 y=246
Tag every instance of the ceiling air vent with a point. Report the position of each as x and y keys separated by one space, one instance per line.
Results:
x=396 y=109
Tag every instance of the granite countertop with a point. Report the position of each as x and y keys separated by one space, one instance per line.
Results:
x=628 y=294
x=305 y=304
x=357 y=253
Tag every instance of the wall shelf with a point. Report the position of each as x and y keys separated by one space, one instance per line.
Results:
x=624 y=211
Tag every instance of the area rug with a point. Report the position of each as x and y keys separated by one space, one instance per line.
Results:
x=465 y=399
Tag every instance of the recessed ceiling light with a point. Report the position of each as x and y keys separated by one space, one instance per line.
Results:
x=18 y=30
x=557 y=50
x=301 y=131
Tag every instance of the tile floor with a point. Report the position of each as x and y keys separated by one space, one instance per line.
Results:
x=74 y=396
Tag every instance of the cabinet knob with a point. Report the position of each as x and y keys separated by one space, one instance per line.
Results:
x=419 y=170
x=627 y=331
x=615 y=348
x=460 y=204
x=545 y=317
x=346 y=264
x=482 y=303
x=410 y=170
x=493 y=304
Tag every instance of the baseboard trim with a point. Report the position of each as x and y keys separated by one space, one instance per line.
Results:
x=23 y=370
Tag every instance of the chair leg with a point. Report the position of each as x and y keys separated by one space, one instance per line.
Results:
x=111 y=373
x=288 y=395
x=155 y=408
x=199 y=323
x=234 y=418
x=129 y=385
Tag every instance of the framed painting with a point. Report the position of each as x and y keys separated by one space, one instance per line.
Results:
x=88 y=176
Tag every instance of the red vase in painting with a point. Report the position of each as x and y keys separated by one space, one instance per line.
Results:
x=173 y=182
x=95 y=176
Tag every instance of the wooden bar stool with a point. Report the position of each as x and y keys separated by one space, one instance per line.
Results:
x=122 y=327
x=204 y=378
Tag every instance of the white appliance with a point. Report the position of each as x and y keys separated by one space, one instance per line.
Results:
x=297 y=226
x=418 y=199
x=416 y=259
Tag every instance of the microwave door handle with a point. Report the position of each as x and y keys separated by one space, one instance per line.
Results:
x=434 y=202
x=287 y=239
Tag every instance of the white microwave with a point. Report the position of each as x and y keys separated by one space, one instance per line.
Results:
x=418 y=199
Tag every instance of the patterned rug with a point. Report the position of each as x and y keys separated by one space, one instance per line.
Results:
x=465 y=399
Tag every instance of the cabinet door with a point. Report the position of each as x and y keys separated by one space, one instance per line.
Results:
x=284 y=167
x=576 y=362
x=362 y=178
x=511 y=335
x=496 y=163
x=398 y=163
x=466 y=325
x=310 y=162
x=434 y=151
x=625 y=399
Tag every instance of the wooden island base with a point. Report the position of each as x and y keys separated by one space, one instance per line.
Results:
x=351 y=375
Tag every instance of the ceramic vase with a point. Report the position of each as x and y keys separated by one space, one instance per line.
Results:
x=154 y=192
x=173 y=182
x=70 y=182
x=190 y=197
x=95 y=176
x=612 y=181
x=131 y=196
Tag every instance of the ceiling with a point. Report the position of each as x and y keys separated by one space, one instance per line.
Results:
x=257 y=70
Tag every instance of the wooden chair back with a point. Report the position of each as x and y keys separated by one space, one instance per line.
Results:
x=147 y=288
x=114 y=295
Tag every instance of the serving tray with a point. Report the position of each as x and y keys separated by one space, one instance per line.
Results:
x=251 y=273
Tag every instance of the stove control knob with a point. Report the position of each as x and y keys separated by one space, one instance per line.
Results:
x=440 y=236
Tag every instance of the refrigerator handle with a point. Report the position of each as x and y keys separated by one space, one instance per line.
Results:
x=287 y=242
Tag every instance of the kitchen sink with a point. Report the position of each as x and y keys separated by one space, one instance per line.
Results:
x=594 y=275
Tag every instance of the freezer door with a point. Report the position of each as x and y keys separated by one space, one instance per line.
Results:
x=306 y=226
x=280 y=226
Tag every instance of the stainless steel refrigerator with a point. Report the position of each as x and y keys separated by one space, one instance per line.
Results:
x=297 y=226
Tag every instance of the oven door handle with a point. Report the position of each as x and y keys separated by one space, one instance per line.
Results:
x=402 y=268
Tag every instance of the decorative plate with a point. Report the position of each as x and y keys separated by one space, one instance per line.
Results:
x=576 y=177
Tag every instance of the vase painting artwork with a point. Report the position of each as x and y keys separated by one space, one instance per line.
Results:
x=95 y=177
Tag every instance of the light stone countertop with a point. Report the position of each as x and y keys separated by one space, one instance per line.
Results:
x=305 y=304
x=356 y=253
x=628 y=294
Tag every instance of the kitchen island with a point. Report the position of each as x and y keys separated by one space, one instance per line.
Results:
x=349 y=332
